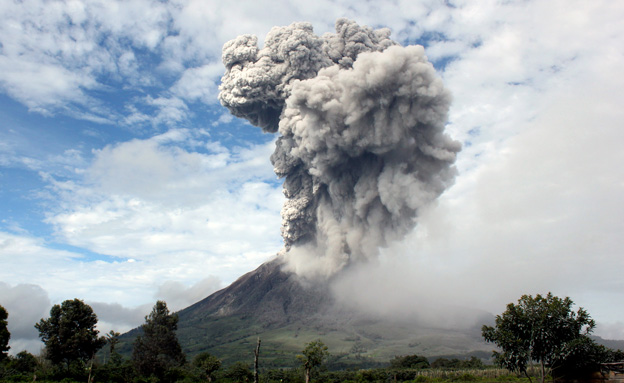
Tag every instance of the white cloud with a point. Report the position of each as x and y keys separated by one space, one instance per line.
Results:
x=180 y=215
x=42 y=87
x=171 y=110
x=225 y=118
x=179 y=296
x=199 y=84
x=54 y=54
x=537 y=205
x=115 y=317
x=22 y=257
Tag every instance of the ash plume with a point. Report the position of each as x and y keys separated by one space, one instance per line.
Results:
x=362 y=145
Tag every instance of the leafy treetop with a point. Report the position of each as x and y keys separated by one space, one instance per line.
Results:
x=157 y=350
x=69 y=334
x=536 y=329
x=313 y=356
x=5 y=335
x=207 y=363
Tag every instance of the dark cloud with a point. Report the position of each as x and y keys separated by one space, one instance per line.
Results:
x=26 y=305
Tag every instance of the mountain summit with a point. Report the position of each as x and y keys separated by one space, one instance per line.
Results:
x=268 y=295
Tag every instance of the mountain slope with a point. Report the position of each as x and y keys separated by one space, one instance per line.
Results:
x=267 y=294
x=286 y=314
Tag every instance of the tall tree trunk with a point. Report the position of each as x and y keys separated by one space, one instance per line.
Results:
x=91 y=368
x=256 y=354
x=307 y=375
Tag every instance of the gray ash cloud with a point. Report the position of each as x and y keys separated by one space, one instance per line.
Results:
x=361 y=142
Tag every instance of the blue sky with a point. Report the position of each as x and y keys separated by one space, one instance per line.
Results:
x=123 y=181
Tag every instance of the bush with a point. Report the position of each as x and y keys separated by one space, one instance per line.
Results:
x=375 y=375
x=282 y=376
x=465 y=377
x=409 y=361
x=422 y=379
x=238 y=372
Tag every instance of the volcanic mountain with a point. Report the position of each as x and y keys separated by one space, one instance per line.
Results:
x=286 y=313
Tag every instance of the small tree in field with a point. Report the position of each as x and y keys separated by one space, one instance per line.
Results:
x=112 y=338
x=5 y=335
x=539 y=329
x=157 y=350
x=69 y=334
x=313 y=356
x=207 y=363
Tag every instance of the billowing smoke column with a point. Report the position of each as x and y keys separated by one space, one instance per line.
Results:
x=362 y=145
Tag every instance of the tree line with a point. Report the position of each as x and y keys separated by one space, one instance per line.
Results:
x=540 y=333
x=72 y=341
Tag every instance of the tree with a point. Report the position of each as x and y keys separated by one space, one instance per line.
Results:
x=207 y=363
x=157 y=350
x=583 y=356
x=455 y=363
x=5 y=335
x=23 y=362
x=69 y=334
x=539 y=329
x=256 y=356
x=409 y=361
x=112 y=337
x=239 y=372
x=313 y=356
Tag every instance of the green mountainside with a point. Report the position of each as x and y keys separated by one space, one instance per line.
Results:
x=285 y=314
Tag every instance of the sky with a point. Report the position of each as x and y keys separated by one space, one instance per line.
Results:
x=123 y=180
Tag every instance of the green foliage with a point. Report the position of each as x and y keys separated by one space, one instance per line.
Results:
x=238 y=372
x=537 y=329
x=69 y=334
x=207 y=363
x=112 y=338
x=455 y=363
x=157 y=350
x=583 y=355
x=409 y=361
x=5 y=335
x=422 y=379
x=23 y=362
x=18 y=368
x=373 y=375
x=116 y=370
x=282 y=376
x=313 y=356
x=465 y=377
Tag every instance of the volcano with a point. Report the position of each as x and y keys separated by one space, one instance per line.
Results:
x=286 y=313
x=362 y=148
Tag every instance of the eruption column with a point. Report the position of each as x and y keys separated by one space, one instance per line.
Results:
x=362 y=145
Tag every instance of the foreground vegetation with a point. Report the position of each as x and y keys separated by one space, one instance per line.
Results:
x=540 y=337
x=28 y=368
